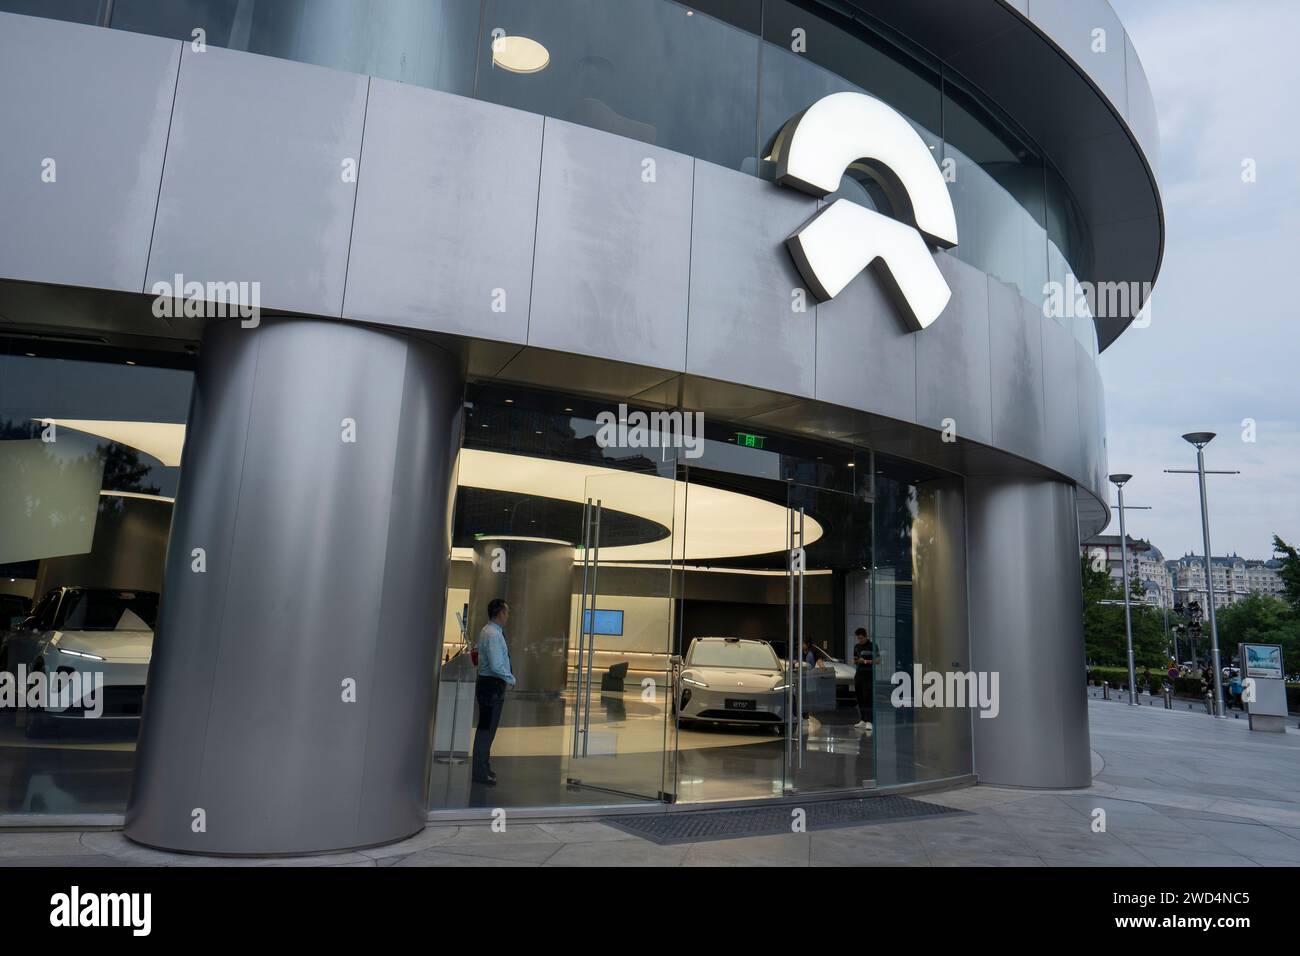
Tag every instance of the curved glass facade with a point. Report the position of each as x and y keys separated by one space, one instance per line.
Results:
x=715 y=79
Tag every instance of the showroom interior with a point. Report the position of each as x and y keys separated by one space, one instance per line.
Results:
x=479 y=228
x=688 y=547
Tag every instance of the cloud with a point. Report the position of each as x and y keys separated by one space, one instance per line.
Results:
x=1224 y=340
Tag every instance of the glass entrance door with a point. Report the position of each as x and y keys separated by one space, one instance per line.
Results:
x=829 y=740
x=621 y=671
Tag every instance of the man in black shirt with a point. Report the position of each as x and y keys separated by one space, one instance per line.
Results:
x=864 y=656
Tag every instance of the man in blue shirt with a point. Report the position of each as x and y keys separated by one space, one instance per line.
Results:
x=490 y=690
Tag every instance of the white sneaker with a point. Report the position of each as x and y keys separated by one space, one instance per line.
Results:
x=867 y=728
x=861 y=725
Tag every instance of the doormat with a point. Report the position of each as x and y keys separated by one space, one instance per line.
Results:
x=695 y=826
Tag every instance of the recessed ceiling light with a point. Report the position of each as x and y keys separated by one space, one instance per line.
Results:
x=519 y=54
x=510 y=401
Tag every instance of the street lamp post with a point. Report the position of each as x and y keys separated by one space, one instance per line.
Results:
x=1200 y=440
x=1119 y=482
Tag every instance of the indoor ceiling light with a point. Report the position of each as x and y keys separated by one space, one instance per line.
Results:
x=519 y=54
x=160 y=440
x=721 y=523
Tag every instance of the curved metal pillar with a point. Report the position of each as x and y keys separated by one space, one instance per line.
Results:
x=290 y=695
x=1026 y=624
x=535 y=577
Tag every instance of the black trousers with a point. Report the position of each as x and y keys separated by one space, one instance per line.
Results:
x=862 y=690
x=490 y=692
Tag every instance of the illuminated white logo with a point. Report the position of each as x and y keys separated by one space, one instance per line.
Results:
x=852 y=130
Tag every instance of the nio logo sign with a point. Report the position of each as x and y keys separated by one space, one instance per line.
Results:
x=851 y=130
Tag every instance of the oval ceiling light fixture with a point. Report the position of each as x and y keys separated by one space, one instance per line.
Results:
x=519 y=54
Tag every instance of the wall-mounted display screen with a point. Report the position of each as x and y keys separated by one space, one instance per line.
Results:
x=607 y=622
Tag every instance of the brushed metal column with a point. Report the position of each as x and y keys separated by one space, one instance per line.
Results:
x=1026 y=623
x=325 y=564
x=535 y=577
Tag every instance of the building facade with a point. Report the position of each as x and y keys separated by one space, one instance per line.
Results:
x=325 y=323
x=1235 y=579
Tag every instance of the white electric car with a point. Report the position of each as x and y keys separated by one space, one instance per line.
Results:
x=731 y=680
x=102 y=637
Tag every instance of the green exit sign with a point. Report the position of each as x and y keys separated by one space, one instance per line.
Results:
x=746 y=440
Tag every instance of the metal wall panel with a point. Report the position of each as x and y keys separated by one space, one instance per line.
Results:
x=254 y=188
x=866 y=357
x=610 y=276
x=97 y=104
x=744 y=324
x=1061 y=400
x=1092 y=421
x=446 y=214
x=952 y=357
x=1016 y=370
x=1022 y=545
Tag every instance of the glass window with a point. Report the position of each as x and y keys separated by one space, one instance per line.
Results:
x=649 y=70
x=90 y=444
x=997 y=188
x=430 y=43
x=75 y=11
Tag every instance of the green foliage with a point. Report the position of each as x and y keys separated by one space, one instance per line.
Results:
x=1260 y=620
x=1290 y=571
x=1103 y=624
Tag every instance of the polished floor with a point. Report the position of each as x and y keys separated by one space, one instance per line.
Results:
x=627 y=739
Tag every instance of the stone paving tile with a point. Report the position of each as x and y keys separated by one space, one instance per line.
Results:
x=624 y=853
x=64 y=842
x=1163 y=857
x=428 y=837
x=1250 y=839
x=585 y=832
x=534 y=853
x=86 y=859
x=436 y=857
x=785 y=850
x=513 y=833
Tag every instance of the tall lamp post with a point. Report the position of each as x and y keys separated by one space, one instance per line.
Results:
x=1200 y=440
x=1119 y=481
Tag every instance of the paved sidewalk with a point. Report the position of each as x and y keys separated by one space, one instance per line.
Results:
x=1178 y=788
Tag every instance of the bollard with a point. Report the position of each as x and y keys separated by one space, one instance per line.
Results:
x=1209 y=704
x=1169 y=698
x=1105 y=690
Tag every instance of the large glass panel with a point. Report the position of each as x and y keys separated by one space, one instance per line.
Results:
x=528 y=464
x=76 y=11
x=830 y=746
x=432 y=43
x=997 y=188
x=90 y=445
x=808 y=57
x=918 y=616
x=623 y=674
x=649 y=70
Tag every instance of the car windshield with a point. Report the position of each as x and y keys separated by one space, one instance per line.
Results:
x=105 y=610
x=752 y=655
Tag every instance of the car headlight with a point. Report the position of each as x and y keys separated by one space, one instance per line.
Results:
x=83 y=654
x=693 y=682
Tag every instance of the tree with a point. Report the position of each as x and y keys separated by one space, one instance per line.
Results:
x=1103 y=624
x=1260 y=619
x=1290 y=571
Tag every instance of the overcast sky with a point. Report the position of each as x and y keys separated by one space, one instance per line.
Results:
x=1224 y=340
